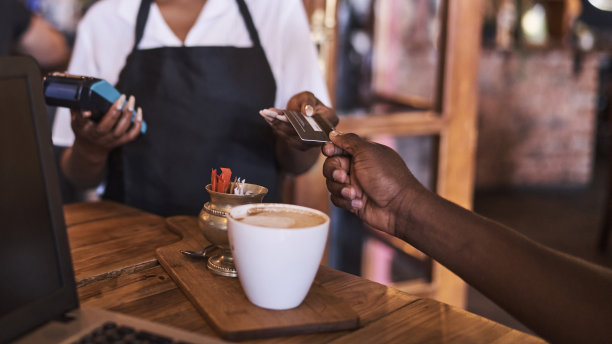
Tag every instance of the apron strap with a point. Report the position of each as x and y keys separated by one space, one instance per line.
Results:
x=248 y=21
x=141 y=21
x=143 y=14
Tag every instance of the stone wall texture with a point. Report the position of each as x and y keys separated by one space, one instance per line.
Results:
x=537 y=119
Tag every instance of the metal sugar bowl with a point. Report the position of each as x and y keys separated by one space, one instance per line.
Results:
x=213 y=223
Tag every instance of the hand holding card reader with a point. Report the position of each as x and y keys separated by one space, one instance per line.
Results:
x=82 y=93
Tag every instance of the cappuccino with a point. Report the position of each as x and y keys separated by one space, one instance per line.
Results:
x=281 y=217
x=277 y=249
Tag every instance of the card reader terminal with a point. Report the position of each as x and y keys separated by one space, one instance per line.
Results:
x=82 y=93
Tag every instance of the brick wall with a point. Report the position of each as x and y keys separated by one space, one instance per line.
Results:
x=537 y=119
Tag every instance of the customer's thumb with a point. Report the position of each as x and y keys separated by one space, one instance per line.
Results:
x=350 y=142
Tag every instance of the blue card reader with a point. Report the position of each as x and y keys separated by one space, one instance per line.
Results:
x=82 y=93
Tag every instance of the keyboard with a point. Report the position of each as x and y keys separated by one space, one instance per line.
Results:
x=114 y=333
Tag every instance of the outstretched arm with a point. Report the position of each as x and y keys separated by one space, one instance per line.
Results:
x=47 y=45
x=562 y=298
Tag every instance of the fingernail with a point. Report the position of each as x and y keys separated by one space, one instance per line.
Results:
x=268 y=113
x=139 y=114
x=334 y=133
x=338 y=176
x=357 y=203
x=86 y=114
x=347 y=193
x=309 y=110
x=120 y=102
x=131 y=103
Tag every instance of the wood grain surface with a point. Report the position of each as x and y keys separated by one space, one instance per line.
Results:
x=109 y=239
x=82 y=212
x=223 y=303
x=140 y=287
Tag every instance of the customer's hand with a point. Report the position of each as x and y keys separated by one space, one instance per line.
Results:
x=298 y=102
x=112 y=131
x=369 y=179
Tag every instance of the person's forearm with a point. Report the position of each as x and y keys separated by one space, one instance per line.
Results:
x=561 y=298
x=295 y=161
x=47 y=45
x=82 y=167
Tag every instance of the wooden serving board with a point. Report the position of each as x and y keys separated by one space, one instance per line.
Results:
x=224 y=305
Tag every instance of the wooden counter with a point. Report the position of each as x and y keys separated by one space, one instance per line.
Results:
x=113 y=250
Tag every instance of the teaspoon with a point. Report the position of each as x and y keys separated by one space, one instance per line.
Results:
x=198 y=254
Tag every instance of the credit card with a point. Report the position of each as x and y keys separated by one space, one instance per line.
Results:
x=313 y=128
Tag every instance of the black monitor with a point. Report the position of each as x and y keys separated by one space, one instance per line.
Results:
x=36 y=277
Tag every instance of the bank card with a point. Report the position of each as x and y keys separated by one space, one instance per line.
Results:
x=313 y=128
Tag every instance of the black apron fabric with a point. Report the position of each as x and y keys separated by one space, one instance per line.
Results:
x=201 y=105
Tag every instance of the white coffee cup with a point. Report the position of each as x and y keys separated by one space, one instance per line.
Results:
x=276 y=263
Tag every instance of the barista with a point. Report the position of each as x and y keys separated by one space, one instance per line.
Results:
x=200 y=71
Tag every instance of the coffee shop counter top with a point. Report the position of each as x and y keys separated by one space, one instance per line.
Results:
x=113 y=250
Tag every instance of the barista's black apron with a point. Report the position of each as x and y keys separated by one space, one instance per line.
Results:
x=201 y=105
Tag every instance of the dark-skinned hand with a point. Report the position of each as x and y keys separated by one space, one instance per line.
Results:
x=112 y=131
x=368 y=179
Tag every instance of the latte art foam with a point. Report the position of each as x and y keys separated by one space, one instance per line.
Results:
x=281 y=218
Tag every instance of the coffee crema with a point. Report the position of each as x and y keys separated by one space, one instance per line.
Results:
x=281 y=218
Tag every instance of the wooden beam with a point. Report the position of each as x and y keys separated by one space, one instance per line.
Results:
x=399 y=123
x=457 y=155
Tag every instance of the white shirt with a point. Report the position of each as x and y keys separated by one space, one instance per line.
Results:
x=105 y=37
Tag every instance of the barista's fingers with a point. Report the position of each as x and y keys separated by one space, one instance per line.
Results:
x=272 y=114
x=308 y=110
x=87 y=129
x=327 y=112
x=284 y=130
x=77 y=117
x=268 y=117
x=110 y=118
x=286 y=133
x=82 y=127
x=308 y=104
x=134 y=131
x=299 y=101
x=268 y=114
x=111 y=140
x=125 y=119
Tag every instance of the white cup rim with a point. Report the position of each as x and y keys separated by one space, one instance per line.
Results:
x=231 y=215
